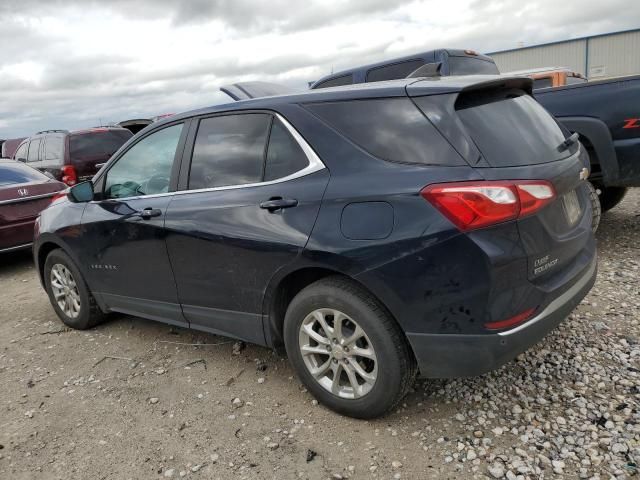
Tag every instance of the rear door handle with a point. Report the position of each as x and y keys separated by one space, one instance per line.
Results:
x=277 y=203
x=148 y=213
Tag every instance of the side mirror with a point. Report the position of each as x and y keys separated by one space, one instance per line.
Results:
x=82 y=192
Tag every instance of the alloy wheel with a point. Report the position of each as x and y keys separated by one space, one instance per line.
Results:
x=338 y=353
x=65 y=290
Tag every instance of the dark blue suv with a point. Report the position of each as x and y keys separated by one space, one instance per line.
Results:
x=434 y=226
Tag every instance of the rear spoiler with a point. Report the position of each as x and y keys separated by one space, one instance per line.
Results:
x=468 y=84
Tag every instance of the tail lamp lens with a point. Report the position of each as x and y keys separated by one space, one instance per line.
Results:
x=472 y=205
x=69 y=175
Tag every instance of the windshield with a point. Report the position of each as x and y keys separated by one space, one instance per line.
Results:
x=471 y=66
x=14 y=173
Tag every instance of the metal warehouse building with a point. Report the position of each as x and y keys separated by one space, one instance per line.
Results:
x=598 y=56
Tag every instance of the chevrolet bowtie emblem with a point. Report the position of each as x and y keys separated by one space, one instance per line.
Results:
x=584 y=173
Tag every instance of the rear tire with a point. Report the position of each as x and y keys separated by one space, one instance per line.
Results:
x=611 y=196
x=68 y=292
x=362 y=344
x=596 y=212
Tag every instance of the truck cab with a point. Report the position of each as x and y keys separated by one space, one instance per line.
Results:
x=447 y=62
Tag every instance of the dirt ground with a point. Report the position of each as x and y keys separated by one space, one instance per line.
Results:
x=135 y=399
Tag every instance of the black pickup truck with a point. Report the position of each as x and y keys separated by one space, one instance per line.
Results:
x=605 y=113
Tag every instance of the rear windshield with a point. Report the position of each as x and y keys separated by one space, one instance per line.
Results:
x=97 y=144
x=391 y=129
x=471 y=66
x=513 y=130
x=573 y=80
x=12 y=173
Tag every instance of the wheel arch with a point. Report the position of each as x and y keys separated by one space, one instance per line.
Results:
x=595 y=134
x=287 y=286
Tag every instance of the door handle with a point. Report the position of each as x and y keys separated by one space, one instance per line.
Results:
x=277 y=203
x=148 y=213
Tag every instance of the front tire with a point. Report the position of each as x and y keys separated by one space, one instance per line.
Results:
x=68 y=292
x=347 y=350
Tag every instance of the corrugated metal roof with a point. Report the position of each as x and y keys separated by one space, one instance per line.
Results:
x=564 y=41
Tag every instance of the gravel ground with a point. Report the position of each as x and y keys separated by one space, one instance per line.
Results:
x=133 y=399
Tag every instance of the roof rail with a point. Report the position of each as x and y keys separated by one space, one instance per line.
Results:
x=52 y=131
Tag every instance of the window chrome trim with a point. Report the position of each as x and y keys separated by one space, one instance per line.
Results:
x=314 y=165
x=27 y=199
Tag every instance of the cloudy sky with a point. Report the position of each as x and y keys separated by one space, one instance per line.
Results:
x=73 y=64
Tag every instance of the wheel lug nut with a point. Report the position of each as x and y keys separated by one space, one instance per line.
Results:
x=335 y=360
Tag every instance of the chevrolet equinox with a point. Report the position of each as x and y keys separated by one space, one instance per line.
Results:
x=422 y=226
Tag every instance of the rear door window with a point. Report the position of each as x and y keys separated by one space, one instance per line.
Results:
x=395 y=71
x=229 y=150
x=512 y=129
x=391 y=129
x=53 y=147
x=34 y=150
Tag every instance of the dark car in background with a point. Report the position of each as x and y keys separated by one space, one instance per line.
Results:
x=71 y=156
x=435 y=225
x=24 y=192
x=10 y=146
x=444 y=62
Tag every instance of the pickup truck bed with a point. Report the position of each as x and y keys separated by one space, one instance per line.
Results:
x=606 y=114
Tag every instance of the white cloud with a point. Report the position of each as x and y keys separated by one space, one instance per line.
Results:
x=68 y=64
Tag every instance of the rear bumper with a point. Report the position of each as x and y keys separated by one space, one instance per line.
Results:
x=455 y=355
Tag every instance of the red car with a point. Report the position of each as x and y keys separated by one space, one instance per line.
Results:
x=24 y=193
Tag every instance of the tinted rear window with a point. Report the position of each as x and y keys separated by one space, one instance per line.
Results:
x=336 y=82
x=573 y=80
x=513 y=131
x=392 y=129
x=471 y=66
x=542 y=83
x=395 y=71
x=97 y=144
x=15 y=173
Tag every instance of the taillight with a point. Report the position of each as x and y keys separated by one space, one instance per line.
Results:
x=69 y=175
x=471 y=205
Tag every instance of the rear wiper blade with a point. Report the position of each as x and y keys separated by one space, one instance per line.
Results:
x=572 y=140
